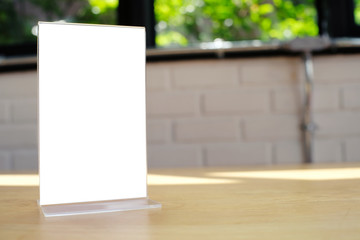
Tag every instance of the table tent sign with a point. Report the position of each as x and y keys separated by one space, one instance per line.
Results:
x=92 y=119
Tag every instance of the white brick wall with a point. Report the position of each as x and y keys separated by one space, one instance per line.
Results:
x=206 y=130
x=14 y=136
x=18 y=117
x=268 y=71
x=18 y=85
x=287 y=99
x=338 y=124
x=287 y=152
x=5 y=161
x=24 y=111
x=236 y=101
x=337 y=69
x=3 y=112
x=25 y=159
x=205 y=74
x=157 y=78
x=327 y=151
x=216 y=112
x=178 y=155
x=158 y=131
x=326 y=98
x=351 y=97
x=352 y=150
x=172 y=104
x=271 y=127
x=232 y=154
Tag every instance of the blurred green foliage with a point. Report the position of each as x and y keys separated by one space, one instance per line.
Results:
x=18 y=17
x=179 y=22
x=357 y=11
x=184 y=22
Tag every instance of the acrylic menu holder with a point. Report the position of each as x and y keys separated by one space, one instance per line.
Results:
x=98 y=207
x=92 y=119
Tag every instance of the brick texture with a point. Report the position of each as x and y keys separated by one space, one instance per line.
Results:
x=158 y=131
x=205 y=130
x=338 y=124
x=327 y=151
x=351 y=95
x=174 y=156
x=272 y=70
x=326 y=98
x=228 y=102
x=338 y=68
x=172 y=104
x=24 y=111
x=216 y=112
x=271 y=127
x=289 y=152
x=5 y=161
x=237 y=154
x=289 y=100
x=19 y=85
x=18 y=136
x=352 y=150
x=157 y=77
x=25 y=160
x=4 y=116
x=208 y=74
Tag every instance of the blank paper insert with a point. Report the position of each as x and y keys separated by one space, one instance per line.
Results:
x=92 y=114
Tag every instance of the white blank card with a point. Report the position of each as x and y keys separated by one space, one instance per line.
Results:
x=92 y=113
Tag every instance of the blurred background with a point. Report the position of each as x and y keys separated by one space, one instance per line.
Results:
x=178 y=22
x=225 y=78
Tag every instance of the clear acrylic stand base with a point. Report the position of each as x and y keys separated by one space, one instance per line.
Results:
x=98 y=207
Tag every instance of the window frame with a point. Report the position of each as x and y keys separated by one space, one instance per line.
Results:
x=336 y=18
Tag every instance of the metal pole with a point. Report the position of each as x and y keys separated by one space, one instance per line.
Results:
x=306 y=46
x=308 y=126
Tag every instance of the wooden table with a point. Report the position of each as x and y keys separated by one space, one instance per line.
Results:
x=302 y=202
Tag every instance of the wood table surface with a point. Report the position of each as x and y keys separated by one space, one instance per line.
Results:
x=288 y=202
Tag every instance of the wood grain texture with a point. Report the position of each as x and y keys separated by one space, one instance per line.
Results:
x=247 y=206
